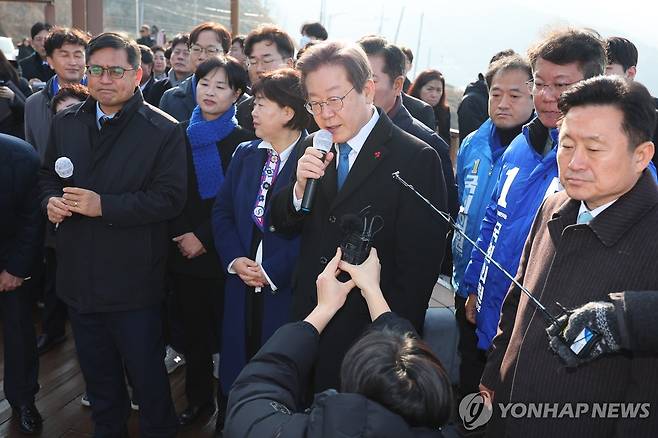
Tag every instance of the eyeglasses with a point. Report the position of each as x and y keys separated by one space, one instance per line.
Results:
x=253 y=62
x=210 y=50
x=554 y=90
x=115 y=72
x=334 y=103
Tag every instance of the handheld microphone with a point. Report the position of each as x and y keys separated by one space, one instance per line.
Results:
x=322 y=141
x=64 y=169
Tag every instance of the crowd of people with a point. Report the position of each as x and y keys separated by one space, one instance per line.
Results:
x=179 y=206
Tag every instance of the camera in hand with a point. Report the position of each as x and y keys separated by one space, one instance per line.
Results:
x=359 y=231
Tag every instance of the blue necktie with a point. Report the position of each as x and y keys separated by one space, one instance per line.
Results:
x=585 y=217
x=343 y=163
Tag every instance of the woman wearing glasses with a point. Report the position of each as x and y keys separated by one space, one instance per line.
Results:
x=198 y=278
x=260 y=261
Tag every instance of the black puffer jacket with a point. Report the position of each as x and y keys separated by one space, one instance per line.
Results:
x=265 y=399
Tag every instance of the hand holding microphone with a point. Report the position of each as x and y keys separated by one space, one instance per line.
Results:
x=311 y=166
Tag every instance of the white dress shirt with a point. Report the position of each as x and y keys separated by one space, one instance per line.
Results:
x=596 y=211
x=283 y=157
x=356 y=144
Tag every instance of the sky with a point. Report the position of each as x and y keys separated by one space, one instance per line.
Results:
x=459 y=37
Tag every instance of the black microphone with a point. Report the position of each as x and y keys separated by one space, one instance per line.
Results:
x=322 y=141
x=64 y=169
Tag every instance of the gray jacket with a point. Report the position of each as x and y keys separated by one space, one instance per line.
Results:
x=179 y=102
x=38 y=115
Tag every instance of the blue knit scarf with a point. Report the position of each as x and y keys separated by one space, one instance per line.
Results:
x=203 y=136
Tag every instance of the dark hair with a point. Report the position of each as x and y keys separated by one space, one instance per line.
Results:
x=502 y=54
x=512 y=62
x=76 y=91
x=7 y=71
x=349 y=56
x=236 y=75
x=38 y=27
x=621 y=51
x=181 y=38
x=273 y=34
x=284 y=86
x=422 y=79
x=561 y=47
x=61 y=35
x=408 y=53
x=223 y=35
x=115 y=41
x=238 y=39
x=303 y=50
x=315 y=30
x=157 y=49
x=146 y=53
x=393 y=57
x=629 y=97
x=399 y=372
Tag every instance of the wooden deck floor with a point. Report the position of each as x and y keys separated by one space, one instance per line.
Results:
x=62 y=386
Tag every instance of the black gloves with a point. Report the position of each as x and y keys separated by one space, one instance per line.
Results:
x=585 y=333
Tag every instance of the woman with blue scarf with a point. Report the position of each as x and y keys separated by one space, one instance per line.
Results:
x=197 y=275
x=259 y=260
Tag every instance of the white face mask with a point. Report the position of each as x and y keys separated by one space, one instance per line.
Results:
x=303 y=41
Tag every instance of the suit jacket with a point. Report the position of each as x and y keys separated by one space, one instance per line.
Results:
x=410 y=245
x=419 y=110
x=179 y=101
x=33 y=67
x=573 y=265
x=234 y=233
x=137 y=164
x=21 y=223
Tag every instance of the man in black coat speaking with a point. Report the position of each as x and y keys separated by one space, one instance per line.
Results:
x=21 y=231
x=114 y=174
x=356 y=174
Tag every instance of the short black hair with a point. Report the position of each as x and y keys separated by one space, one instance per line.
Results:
x=146 y=54
x=507 y=63
x=630 y=97
x=621 y=51
x=236 y=75
x=273 y=34
x=61 y=35
x=223 y=35
x=115 y=41
x=394 y=62
x=400 y=372
x=284 y=87
x=38 y=27
x=501 y=54
x=315 y=30
x=76 y=91
x=408 y=53
x=157 y=49
x=181 y=38
x=582 y=46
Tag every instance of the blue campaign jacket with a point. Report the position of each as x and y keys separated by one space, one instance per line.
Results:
x=525 y=179
x=478 y=166
x=233 y=229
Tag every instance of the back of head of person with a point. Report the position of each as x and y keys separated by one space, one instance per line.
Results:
x=68 y=96
x=622 y=57
x=399 y=372
x=563 y=58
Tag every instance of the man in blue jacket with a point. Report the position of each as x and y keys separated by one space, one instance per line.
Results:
x=529 y=170
x=478 y=166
